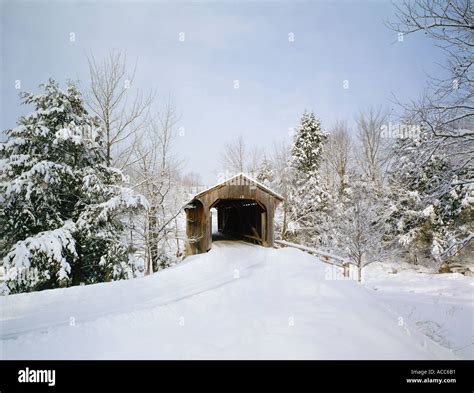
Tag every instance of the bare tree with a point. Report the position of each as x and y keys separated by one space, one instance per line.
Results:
x=233 y=156
x=155 y=173
x=374 y=153
x=253 y=161
x=238 y=157
x=121 y=115
x=283 y=182
x=337 y=156
x=191 y=181
x=447 y=106
x=360 y=228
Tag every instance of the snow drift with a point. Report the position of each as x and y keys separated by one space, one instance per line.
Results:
x=239 y=301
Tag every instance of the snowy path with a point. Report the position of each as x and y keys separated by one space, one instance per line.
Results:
x=238 y=301
x=24 y=313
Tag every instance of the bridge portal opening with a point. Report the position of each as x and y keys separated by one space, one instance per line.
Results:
x=240 y=219
x=245 y=210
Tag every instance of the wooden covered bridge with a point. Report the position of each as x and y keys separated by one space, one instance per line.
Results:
x=245 y=210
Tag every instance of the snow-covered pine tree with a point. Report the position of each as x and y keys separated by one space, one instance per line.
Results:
x=308 y=145
x=308 y=197
x=432 y=212
x=61 y=205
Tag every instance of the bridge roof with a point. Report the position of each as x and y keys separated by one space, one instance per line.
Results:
x=241 y=179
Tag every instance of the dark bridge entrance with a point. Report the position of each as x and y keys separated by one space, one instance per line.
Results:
x=245 y=210
x=241 y=219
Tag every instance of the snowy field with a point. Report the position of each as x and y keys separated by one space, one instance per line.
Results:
x=241 y=301
x=441 y=306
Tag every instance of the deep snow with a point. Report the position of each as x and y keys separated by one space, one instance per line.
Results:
x=239 y=301
x=441 y=306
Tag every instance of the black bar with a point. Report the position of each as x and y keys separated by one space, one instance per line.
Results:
x=241 y=376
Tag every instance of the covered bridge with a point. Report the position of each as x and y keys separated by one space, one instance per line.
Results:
x=245 y=210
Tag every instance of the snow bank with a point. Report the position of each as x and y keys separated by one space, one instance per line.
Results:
x=239 y=301
x=441 y=306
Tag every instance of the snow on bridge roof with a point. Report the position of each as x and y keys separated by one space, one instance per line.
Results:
x=243 y=178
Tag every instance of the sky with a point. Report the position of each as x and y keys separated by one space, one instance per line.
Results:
x=287 y=56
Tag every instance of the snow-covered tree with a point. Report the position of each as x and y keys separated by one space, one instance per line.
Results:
x=282 y=183
x=308 y=145
x=432 y=175
x=374 y=148
x=308 y=197
x=62 y=207
x=155 y=172
x=266 y=174
x=446 y=107
x=337 y=158
x=433 y=204
x=358 y=224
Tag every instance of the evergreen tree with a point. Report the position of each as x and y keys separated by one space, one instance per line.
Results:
x=308 y=145
x=308 y=198
x=432 y=213
x=61 y=205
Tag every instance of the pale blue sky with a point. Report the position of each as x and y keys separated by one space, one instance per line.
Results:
x=224 y=41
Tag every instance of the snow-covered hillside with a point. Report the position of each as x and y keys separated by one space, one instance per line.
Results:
x=239 y=301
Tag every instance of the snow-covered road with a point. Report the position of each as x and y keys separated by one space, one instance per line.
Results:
x=239 y=301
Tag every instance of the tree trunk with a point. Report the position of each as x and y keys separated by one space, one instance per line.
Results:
x=284 y=224
x=359 y=269
x=176 y=234
x=153 y=238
